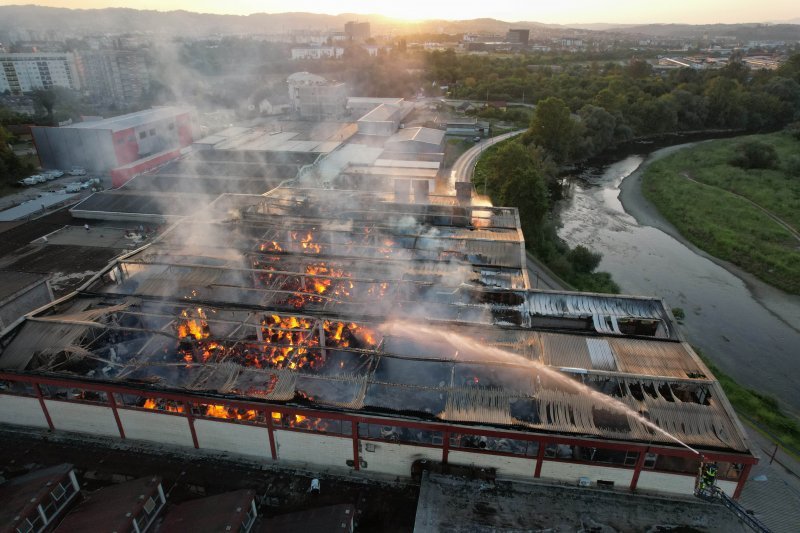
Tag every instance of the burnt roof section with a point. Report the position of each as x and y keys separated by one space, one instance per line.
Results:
x=352 y=300
x=330 y=519
x=111 y=508
x=21 y=495
x=223 y=512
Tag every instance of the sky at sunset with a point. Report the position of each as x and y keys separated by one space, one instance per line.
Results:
x=556 y=12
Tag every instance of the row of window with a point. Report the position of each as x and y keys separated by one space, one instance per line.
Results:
x=382 y=432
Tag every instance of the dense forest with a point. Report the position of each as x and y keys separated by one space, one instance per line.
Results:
x=595 y=105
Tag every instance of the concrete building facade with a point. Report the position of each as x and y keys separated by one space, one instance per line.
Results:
x=133 y=142
x=118 y=76
x=518 y=36
x=313 y=96
x=357 y=31
x=23 y=73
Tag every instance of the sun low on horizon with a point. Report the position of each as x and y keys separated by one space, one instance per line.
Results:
x=563 y=12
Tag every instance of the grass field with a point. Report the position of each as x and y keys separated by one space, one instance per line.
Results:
x=724 y=224
x=762 y=410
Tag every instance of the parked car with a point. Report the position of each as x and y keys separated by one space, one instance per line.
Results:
x=31 y=180
x=55 y=173
x=77 y=171
x=74 y=187
x=476 y=139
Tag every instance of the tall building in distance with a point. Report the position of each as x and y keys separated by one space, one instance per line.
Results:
x=23 y=73
x=114 y=76
x=313 y=96
x=356 y=31
x=518 y=36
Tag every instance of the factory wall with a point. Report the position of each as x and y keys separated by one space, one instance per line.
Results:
x=21 y=411
x=20 y=404
x=395 y=459
x=663 y=482
x=156 y=427
x=84 y=418
x=517 y=467
x=235 y=438
x=572 y=472
x=320 y=450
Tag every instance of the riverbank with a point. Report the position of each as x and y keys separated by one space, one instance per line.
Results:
x=782 y=305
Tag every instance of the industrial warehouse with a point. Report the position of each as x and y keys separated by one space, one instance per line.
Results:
x=379 y=332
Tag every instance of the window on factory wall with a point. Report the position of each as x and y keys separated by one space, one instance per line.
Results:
x=71 y=394
x=678 y=465
x=227 y=412
x=729 y=471
x=142 y=134
x=399 y=434
x=152 y=132
x=143 y=402
x=494 y=444
x=589 y=454
x=311 y=423
x=17 y=387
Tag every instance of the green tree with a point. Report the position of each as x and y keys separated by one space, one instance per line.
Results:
x=584 y=260
x=46 y=98
x=755 y=154
x=599 y=126
x=553 y=128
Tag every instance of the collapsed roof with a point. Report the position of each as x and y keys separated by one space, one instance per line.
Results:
x=349 y=300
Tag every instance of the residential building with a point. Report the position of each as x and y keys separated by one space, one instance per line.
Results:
x=131 y=507
x=313 y=96
x=518 y=36
x=23 y=73
x=357 y=31
x=317 y=52
x=34 y=502
x=118 y=76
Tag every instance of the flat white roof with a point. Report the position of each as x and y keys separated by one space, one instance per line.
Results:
x=131 y=120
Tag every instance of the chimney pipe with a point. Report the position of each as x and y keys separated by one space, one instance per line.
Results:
x=402 y=191
x=421 y=191
x=464 y=192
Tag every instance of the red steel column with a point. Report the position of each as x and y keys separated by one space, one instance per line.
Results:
x=113 y=403
x=190 y=418
x=271 y=431
x=539 y=460
x=356 y=459
x=638 y=469
x=742 y=480
x=44 y=406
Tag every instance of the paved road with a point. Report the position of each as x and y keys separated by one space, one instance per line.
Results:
x=463 y=169
x=465 y=165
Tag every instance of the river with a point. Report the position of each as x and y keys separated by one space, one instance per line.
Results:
x=750 y=330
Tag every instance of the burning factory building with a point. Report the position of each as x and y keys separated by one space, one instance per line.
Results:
x=366 y=331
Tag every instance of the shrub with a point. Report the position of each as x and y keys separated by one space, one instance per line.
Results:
x=584 y=260
x=793 y=165
x=755 y=154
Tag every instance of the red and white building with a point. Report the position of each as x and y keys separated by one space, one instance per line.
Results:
x=122 y=146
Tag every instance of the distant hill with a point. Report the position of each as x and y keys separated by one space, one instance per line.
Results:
x=36 y=22
x=746 y=32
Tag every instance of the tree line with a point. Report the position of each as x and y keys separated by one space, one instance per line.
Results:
x=596 y=109
x=587 y=108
